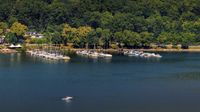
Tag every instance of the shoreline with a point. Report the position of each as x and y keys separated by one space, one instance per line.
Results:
x=145 y=50
x=171 y=50
x=7 y=51
x=114 y=51
x=66 y=48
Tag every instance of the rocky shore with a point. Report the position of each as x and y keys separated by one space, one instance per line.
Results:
x=7 y=51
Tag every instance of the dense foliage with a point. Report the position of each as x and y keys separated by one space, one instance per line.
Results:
x=130 y=23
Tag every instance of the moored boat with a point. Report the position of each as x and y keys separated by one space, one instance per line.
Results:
x=93 y=54
x=47 y=55
x=141 y=54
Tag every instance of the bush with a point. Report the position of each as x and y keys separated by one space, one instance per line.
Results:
x=162 y=46
x=68 y=52
x=114 y=46
x=175 y=47
x=194 y=47
x=38 y=40
x=169 y=46
x=153 y=46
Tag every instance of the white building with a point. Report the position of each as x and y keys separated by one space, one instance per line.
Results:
x=34 y=35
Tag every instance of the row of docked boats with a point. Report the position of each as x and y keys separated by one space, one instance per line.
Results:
x=47 y=55
x=142 y=54
x=93 y=54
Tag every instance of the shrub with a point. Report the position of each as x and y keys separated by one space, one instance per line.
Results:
x=114 y=46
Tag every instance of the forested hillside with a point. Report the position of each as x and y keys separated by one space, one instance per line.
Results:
x=131 y=22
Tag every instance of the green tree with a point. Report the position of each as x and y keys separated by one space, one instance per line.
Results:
x=11 y=38
x=104 y=36
x=38 y=40
x=132 y=39
x=51 y=29
x=119 y=38
x=191 y=26
x=187 y=38
x=12 y=20
x=92 y=38
x=56 y=38
x=146 y=39
x=158 y=24
x=3 y=28
x=121 y=22
x=83 y=35
x=164 y=38
x=68 y=33
x=106 y=19
x=19 y=29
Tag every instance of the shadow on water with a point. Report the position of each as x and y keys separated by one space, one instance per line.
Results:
x=11 y=60
x=84 y=59
x=45 y=61
x=177 y=57
x=188 y=76
x=35 y=59
x=189 y=79
x=183 y=76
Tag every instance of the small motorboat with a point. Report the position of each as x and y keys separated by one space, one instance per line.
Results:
x=134 y=53
x=12 y=46
x=126 y=52
x=66 y=58
x=67 y=98
x=141 y=54
x=48 y=56
x=157 y=56
x=93 y=55
x=105 y=55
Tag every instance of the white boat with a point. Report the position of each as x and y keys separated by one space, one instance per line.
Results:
x=66 y=58
x=133 y=53
x=48 y=56
x=67 y=98
x=15 y=46
x=93 y=54
x=83 y=53
x=12 y=46
x=126 y=52
x=18 y=46
x=151 y=55
x=146 y=55
x=105 y=55
x=157 y=56
x=142 y=54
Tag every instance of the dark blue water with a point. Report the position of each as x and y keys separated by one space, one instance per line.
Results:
x=123 y=84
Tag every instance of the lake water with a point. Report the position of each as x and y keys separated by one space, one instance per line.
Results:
x=123 y=84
